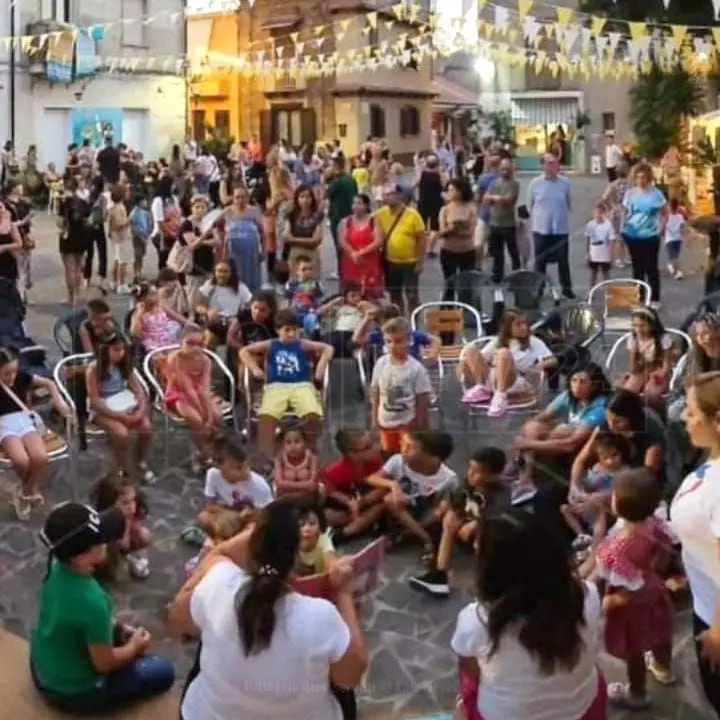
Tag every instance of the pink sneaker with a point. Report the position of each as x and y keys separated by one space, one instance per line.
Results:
x=498 y=405
x=476 y=395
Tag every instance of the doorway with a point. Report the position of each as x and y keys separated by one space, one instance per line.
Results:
x=292 y=123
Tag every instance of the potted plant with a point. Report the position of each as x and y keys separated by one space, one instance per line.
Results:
x=582 y=120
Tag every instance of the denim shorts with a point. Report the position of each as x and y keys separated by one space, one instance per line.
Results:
x=673 y=249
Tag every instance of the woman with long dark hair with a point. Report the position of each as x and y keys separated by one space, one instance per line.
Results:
x=74 y=233
x=268 y=653
x=167 y=218
x=457 y=221
x=529 y=643
x=303 y=230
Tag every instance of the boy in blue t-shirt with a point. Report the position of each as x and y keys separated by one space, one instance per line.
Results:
x=141 y=226
x=288 y=375
x=304 y=294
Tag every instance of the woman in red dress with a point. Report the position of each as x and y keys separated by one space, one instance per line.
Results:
x=361 y=250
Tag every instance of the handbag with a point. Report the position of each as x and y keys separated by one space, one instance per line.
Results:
x=35 y=418
x=121 y=402
x=180 y=258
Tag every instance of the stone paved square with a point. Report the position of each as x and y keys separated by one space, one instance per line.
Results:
x=413 y=671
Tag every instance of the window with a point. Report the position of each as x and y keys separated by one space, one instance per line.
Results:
x=198 y=125
x=134 y=31
x=58 y=10
x=222 y=123
x=377 y=121
x=409 y=121
x=411 y=64
x=373 y=37
x=608 y=122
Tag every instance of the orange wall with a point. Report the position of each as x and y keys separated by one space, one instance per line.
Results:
x=223 y=38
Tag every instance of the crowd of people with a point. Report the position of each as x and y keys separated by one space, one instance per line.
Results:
x=560 y=572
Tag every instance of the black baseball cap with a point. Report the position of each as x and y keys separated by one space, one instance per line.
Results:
x=72 y=529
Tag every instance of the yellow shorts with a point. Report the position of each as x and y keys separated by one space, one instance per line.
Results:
x=300 y=399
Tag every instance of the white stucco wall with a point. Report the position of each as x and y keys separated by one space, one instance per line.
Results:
x=163 y=97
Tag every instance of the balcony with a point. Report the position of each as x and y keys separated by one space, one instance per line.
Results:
x=544 y=80
x=286 y=83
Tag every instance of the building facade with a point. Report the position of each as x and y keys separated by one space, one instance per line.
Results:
x=393 y=104
x=94 y=67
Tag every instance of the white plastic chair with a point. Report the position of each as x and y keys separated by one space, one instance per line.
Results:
x=252 y=394
x=621 y=343
x=170 y=418
x=517 y=404
x=622 y=295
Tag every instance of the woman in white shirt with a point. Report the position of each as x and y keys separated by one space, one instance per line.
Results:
x=505 y=365
x=267 y=653
x=528 y=646
x=695 y=518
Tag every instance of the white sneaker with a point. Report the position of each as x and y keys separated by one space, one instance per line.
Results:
x=498 y=405
x=679 y=275
x=656 y=305
x=670 y=269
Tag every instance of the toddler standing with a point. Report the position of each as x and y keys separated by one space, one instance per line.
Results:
x=639 y=615
x=120 y=239
x=674 y=231
x=141 y=225
x=600 y=237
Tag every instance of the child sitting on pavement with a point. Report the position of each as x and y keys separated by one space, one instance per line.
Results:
x=418 y=484
x=484 y=491
x=352 y=506
x=296 y=468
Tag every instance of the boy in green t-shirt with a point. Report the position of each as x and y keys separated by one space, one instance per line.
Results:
x=81 y=660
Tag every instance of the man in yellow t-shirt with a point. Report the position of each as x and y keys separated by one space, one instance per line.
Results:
x=403 y=232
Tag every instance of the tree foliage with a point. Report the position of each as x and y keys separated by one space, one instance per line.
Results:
x=680 y=12
x=659 y=101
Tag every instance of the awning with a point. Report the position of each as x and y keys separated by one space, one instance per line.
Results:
x=544 y=111
x=450 y=94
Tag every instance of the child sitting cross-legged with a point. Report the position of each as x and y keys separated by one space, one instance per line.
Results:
x=232 y=487
x=296 y=468
x=588 y=504
x=418 y=484
x=484 y=492
x=116 y=491
x=351 y=505
x=287 y=370
x=317 y=551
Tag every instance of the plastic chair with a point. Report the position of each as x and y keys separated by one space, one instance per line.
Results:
x=468 y=287
x=152 y=371
x=70 y=377
x=447 y=320
x=252 y=392
x=679 y=338
x=529 y=289
x=619 y=297
x=518 y=403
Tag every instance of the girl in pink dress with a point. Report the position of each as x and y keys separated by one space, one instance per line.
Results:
x=152 y=322
x=639 y=616
x=296 y=468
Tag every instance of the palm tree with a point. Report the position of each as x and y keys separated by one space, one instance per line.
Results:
x=660 y=101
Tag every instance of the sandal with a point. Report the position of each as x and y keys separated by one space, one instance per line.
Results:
x=619 y=694
x=23 y=505
x=661 y=674
x=138 y=567
x=146 y=474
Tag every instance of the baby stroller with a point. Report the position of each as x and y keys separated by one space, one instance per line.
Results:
x=32 y=357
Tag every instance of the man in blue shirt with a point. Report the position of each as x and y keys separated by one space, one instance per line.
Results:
x=548 y=200
x=489 y=176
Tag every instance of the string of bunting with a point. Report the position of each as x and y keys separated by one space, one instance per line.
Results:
x=505 y=35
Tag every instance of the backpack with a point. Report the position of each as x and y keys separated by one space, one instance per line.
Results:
x=172 y=221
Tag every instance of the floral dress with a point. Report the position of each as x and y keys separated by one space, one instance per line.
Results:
x=626 y=561
x=244 y=240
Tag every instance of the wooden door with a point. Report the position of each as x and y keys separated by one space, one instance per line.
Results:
x=266 y=129
x=308 y=126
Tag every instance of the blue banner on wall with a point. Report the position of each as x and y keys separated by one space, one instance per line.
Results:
x=86 y=62
x=95 y=124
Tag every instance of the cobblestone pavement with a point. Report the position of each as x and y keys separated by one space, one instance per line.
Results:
x=412 y=672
